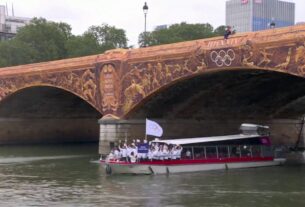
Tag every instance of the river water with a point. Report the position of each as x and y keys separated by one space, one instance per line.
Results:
x=69 y=175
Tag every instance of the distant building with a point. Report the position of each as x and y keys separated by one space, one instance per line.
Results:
x=159 y=27
x=9 y=25
x=254 y=15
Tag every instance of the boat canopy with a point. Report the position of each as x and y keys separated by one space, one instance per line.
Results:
x=254 y=129
x=205 y=139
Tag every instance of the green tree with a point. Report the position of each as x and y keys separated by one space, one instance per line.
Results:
x=177 y=33
x=44 y=40
x=14 y=52
x=83 y=45
x=146 y=39
x=219 y=31
x=47 y=39
x=109 y=37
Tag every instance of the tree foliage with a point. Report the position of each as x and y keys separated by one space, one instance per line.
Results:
x=108 y=37
x=219 y=31
x=47 y=39
x=13 y=52
x=178 y=33
x=82 y=45
x=44 y=40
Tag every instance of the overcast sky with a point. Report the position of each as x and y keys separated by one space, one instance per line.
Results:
x=127 y=14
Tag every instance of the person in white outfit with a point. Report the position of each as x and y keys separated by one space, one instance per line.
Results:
x=179 y=151
x=123 y=151
x=165 y=153
x=144 y=155
x=117 y=153
x=132 y=157
x=129 y=150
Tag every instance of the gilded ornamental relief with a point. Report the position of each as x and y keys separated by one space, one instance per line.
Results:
x=109 y=89
x=300 y=59
x=247 y=55
x=284 y=65
x=80 y=82
x=286 y=58
x=145 y=78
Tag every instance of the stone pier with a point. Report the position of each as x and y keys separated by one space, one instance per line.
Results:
x=113 y=130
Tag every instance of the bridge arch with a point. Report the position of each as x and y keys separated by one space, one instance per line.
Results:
x=234 y=93
x=67 y=91
x=47 y=114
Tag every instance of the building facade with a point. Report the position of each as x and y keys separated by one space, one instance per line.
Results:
x=254 y=15
x=9 y=25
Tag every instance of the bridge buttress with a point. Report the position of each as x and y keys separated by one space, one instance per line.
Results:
x=113 y=130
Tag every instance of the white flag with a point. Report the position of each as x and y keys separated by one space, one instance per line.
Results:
x=153 y=128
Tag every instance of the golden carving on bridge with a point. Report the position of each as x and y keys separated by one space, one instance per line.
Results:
x=284 y=65
x=247 y=57
x=300 y=59
x=79 y=82
x=265 y=58
x=109 y=90
x=145 y=78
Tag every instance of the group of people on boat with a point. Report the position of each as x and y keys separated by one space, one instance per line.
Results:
x=143 y=151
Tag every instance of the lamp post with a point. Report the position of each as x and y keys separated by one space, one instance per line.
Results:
x=145 y=10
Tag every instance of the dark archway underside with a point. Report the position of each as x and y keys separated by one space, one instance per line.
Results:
x=46 y=102
x=47 y=115
x=246 y=94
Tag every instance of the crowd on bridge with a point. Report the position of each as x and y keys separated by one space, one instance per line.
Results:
x=143 y=151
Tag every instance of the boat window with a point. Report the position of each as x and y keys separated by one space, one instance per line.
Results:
x=266 y=151
x=187 y=153
x=223 y=152
x=199 y=153
x=256 y=151
x=245 y=151
x=211 y=152
x=234 y=151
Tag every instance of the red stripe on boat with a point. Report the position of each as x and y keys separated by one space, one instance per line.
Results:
x=197 y=161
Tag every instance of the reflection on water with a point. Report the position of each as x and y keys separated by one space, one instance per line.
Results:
x=69 y=176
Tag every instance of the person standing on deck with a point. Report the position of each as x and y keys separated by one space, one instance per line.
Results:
x=117 y=154
x=123 y=151
x=129 y=150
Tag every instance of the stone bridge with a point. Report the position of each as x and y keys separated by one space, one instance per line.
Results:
x=193 y=88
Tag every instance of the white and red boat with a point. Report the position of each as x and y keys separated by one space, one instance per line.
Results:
x=251 y=148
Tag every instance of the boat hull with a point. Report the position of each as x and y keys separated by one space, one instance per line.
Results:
x=116 y=168
x=185 y=167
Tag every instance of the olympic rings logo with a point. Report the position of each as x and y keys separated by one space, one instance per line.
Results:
x=223 y=57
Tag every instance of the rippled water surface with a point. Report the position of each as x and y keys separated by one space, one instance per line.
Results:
x=69 y=175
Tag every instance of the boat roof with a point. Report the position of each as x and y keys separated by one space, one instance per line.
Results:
x=206 y=139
